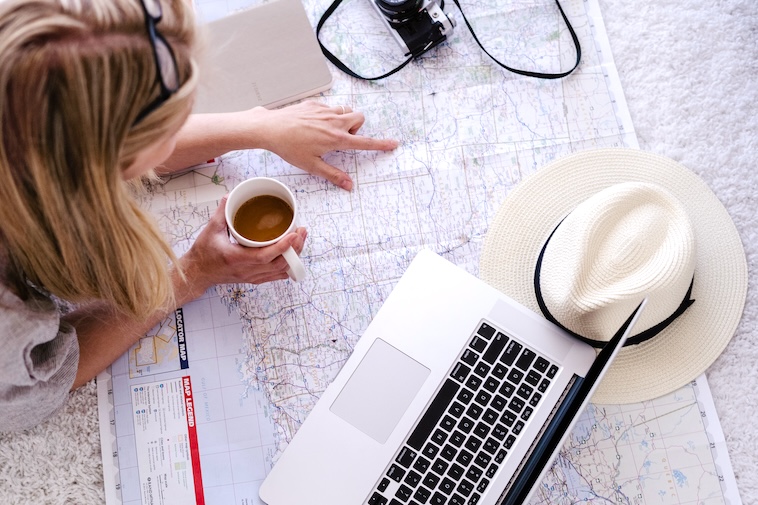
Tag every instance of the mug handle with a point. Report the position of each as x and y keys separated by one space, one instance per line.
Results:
x=296 y=269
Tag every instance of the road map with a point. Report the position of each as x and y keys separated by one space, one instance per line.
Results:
x=200 y=409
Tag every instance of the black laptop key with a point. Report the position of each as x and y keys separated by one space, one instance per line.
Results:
x=499 y=370
x=447 y=423
x=469 y=357
x=464 y=457
x=457 y=499
x=457 y=438
x=507 y=389
x=482 y=369
x=515 y=375
x=495 y=348
x=473 y=444
x=474 y=382
x=394 y=501
x=517 y=428
x=456 y=471
x=525 y=359
x=439 y=437
x=500 y=431
x=377 y=499
x=486 y=331
x=440 y=466
x=403 y=493
x=422 y=464
x=491 y=384
x=465 y=424
x=474 y=473
x=430 y=450
x=465 y=396
x=438 y=499
x=448 y=452
x=383 y=484
x=482 y=459
x=491 y=445
x=422 y=494
x=527 y=413
x=491 y=471
x=460 y=372
x=482 y=430
x=447 y=486
x=412 y=479
x=499 y=403
x=508 y=418
x=483 y=398
x=543 y=385
x=478 y=344
x=482 y=485
x=465 y=487
x=534 y=400
x=456 y=409
x=490 y=416
x=541 y=364
x=511 y=351
x=532 y=377
x=516 y=404
x=500 y=456
x=405 y=457
x=474 y=411
x=552 y=371
x=431 y=480
x=395 y=473
x=524 y=391
x=509 y=441
x=433 y=414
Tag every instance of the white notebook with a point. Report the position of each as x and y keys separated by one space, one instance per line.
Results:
x=267 y=55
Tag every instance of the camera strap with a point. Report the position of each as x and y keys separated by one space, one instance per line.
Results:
x=336 y=61
x=540 y=75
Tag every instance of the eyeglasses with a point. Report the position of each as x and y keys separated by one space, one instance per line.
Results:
x=165 y=63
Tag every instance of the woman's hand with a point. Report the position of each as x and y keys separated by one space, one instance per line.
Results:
x=104 y=334
x=301 y=134
x=214 y=259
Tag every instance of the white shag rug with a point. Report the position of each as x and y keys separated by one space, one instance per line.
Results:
x=689 y=72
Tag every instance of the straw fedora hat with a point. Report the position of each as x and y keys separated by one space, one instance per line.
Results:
x=587 y=237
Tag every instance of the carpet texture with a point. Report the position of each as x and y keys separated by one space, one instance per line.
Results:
x=688 y=69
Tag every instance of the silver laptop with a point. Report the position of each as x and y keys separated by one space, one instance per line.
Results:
x=455 y=394
x=265 y=56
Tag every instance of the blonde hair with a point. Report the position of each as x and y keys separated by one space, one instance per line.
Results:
x=74 y=75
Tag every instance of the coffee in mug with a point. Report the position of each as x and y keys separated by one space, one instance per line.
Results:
x=260 y=212
x=263 y=218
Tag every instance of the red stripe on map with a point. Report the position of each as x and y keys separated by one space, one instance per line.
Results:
x=189 y=405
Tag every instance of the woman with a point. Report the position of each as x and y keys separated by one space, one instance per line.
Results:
x=93 y=94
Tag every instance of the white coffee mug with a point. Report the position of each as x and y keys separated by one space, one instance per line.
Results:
x=258 y=186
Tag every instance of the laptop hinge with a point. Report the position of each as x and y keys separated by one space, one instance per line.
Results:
x=534 y=460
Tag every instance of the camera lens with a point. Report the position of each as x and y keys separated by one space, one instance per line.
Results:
x=398 y=11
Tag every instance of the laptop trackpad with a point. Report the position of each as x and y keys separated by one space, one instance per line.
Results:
x=378 y=393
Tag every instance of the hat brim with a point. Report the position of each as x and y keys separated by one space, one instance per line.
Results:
x=688 y=346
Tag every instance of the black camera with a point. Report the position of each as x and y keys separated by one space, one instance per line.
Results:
x=417 y=25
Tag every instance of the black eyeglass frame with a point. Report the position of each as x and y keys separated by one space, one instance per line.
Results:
x=163 y=79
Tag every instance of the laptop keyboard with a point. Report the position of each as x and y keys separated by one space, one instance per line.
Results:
x=475 y=418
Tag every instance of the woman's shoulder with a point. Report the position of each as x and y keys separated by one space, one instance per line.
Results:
x=39 y=359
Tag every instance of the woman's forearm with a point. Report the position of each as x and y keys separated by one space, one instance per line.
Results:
x=105 y=334
x=206 y=136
